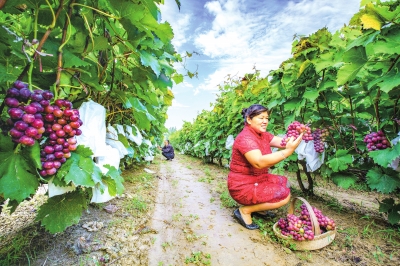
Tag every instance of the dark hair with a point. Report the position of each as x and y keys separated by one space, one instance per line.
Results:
x=253 y=111
x=167 y=140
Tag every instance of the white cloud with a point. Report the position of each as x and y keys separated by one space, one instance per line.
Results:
x=176 y=104
x=180 y=24
x=262 y=37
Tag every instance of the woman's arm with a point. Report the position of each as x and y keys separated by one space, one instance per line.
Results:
x=259 y=161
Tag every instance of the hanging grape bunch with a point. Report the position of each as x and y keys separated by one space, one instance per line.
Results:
x=376 y=141
x=319 y=136
x=294 y=130
x=300 y=228
x=25 y=110
x=32 y=117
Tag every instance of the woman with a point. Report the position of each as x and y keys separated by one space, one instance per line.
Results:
x=167 y=150
x=249 y=182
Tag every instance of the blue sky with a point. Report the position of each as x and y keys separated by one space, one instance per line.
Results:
x=233 y=36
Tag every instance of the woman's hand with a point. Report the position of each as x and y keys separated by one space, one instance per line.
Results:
x=292 y=143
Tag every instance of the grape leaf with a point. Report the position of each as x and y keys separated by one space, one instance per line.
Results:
x=386 y=204
x=394 y=217
x=371 y=21
x=149 y=60
x=114 y=180
x=386 y=156
x=341 y=161
x=72 y=204
x=343 y=180
x=355 y=59
x=382 y=182
x=18 y=176
x=80 y=169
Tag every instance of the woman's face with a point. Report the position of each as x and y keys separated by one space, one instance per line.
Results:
x=259 y=122
x=165 y=142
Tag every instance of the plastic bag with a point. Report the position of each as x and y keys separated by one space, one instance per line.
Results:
x=112 y=158
x=99 y=197
x=56 y=190
x=93 y=116
x=134 y=136
x=112 y=140
x=314 y=159
x=229 y=142
x=207 y=146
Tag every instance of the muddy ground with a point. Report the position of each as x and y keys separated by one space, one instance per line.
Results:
x=175 y=215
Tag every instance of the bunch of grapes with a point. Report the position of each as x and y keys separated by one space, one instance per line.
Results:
x=376 y=141
x=61 y=126
x=325 y=223
x=32 y=118
x=294 y=130
x=300 y=228
x=319 y=136
x=295 y=227
x=25 y=110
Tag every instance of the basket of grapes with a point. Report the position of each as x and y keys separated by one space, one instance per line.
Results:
x=309 y=230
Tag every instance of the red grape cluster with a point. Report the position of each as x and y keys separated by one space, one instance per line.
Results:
x=319 y=136
x=61 y=125
x=294 y=130
x=376 y=141
x=299 y=227
x=295 y=227
x=325 y=223
x=32 y=117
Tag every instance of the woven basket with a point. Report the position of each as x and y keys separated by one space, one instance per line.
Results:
x=319 y=241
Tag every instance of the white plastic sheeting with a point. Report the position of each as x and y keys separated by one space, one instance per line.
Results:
x=112 y=140
x=314 y=159
x=133 y=134
x=229 y=142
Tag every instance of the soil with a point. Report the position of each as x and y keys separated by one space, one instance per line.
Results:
x=174 y=216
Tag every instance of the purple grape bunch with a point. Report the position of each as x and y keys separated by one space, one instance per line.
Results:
x=300 y=228
x=376 y=141
x=25 y=111
x=33 y=117
x=294 y=130
x=319 y=136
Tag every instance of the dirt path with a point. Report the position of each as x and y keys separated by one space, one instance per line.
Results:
x=192 y=227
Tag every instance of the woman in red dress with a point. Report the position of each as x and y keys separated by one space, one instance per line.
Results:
x=249 y=182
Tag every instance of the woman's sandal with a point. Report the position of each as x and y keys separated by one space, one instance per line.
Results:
x=268 y=215
x=238 y=216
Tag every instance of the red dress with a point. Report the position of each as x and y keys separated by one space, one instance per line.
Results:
x=248 y=185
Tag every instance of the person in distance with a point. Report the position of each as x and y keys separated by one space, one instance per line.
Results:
x=167 y=150
x=249 y=182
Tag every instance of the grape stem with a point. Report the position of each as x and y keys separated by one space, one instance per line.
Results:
x=42 y=41
x=60 y=52
x=353 y=121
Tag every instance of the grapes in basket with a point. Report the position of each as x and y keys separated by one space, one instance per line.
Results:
x=300 y=228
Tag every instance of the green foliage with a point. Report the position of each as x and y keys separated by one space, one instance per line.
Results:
x=62 y=211
x=385 y=181
x=393 y=210
x=20 y=162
